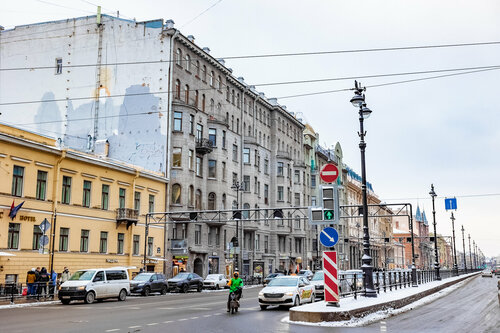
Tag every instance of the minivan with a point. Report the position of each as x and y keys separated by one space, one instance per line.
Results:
x=96 y=283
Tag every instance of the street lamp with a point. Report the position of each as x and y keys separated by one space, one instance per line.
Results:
x=475 y=257
x=436 y=262
x=455 y=266
x=470 y=256
x=238 y=187
x=463 y=242
x=358 y=100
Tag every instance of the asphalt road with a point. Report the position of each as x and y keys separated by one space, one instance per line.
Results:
x=474 y=308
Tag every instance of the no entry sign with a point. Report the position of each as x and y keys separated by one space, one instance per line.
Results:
x=331 y=276
x=329 y=173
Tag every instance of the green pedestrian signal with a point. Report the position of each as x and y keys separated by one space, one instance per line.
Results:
x=328 y=214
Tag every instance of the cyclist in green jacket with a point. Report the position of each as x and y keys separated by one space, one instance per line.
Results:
x=235 y=286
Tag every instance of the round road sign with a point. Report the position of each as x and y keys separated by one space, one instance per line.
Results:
x=329 y=173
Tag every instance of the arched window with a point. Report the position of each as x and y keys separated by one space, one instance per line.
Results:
x=238 y=100
x=279 y=141
x=188 y=62
x=211 y=201
x=212 y=106
x=196 y=97
x=178 y=59
x=238 y=125
x=260 y=137
x=227 y=94
x=219 y=107
x=186 y=94
x=197 y=202
x=204 y=73
x=191 y=196
x=223 y=201
x=211 y=79
x=232 y=122
x=177 y=89
x=232 y=96
x=197 y=68
x=203 y=102
x=246 y=213
x=176 y=194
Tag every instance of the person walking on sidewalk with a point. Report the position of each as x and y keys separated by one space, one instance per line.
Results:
x=65 y=275
x=31 y=282
x=43 y=278
x=52 y=284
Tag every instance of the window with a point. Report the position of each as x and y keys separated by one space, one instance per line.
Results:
x=211 y=201
x=217 y=236
x=59 y=65
x=297 y=222
x=223 y=170
x=298 y=245
x=41 y=185
x=212 y=136
x=190 y=159
x=196 y=98
x=87 y=185
x=37 y=233
x=119 y=245
x=176 y=194
x=197 y=200
x=177 y=157
x=63 y=239
x=188 y=62
x=121 y=199
x=203 y=101
x=204 y=73
x=210 y=236
x=280 y=193
x=246 y=155
x=199 y=132
x=246 y=183
x=235 y=153
x=212 y=106
x=199 y=166
x=177 y=89
x=266 y=244
x=297 y=199
x=136 y=245
x=191 y=124
x=197 y=234
x=137 y=201
x=177 y=121
x=151 y=203
x=257 y=242
x=191 y=196
x=219 y=83
x=212 y=168
x=266 y=194
x=186 y=94
x=150 y=246
x=103 y=243
x=280 y=169
x=17 y=181
x=224 y=204
x=178 y=58
x=313 y=201
x=224 y=139
x=235 y=178
x=105 y=197
x=84 y=241
x=197 y=68
x=266 y=166
x=13 y=237
x=66 y=190
x=211 y=79
x=313 y=180
x=297 y=176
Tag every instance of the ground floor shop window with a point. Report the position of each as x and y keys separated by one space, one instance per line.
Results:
x=213 y=265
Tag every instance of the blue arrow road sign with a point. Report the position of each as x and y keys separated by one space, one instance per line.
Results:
x=450 y=203
x=329 y=237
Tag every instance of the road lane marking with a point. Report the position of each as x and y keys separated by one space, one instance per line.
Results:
x=134 y=326
x=194 y=318
x=152 y=324
x=166 y=308
x=113 y=330
x=202 y=309
x=183 y=319
x=206 y=316
x=168 y=321
x=217 y=314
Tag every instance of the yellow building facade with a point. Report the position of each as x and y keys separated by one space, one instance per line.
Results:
x=95 y=207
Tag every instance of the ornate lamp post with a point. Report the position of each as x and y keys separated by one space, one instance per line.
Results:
x=470 y=257
x=455 y=266
x=463 y=240
x=358 y=100
x=436 y=261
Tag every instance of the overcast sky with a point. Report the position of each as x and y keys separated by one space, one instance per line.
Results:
x=443 y=131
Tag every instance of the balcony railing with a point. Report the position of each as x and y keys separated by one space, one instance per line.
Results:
x=127 y=215
x=203 y=146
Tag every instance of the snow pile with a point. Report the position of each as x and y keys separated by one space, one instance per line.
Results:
x=26 y=305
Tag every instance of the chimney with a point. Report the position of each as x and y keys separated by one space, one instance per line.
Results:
x=206 y=49
x=230 y=70
x=191 y=38
x=262 y=95
x=169 y=24
x=222 y=62
x=273 y=101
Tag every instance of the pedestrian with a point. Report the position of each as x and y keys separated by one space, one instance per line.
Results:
x=52 y=283
x=141 y=270
x=65 y=275
x=43 y=278
x=31 y=281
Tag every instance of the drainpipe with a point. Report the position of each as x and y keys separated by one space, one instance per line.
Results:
x=54 y=209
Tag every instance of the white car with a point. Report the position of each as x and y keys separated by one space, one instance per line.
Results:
x=215 y=281
x=487 y=272
x=318 y=281
x=287 y=290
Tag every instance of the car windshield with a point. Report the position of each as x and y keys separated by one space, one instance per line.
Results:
x=318 y=276
x=82 y=275
x=142 y=277
x=181 y=276
x=283 y=282
x=272 y=275
x=212 y=277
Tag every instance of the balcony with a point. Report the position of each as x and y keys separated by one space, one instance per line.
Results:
x=283 y=154
x=203 y=146
x=179 y=246
x=126 y=215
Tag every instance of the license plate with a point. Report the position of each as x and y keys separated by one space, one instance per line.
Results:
x=66 y=297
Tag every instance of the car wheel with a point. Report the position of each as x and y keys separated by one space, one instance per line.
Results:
x=89 y=297
x=184 y=288
x=200 y=287
x=263 y=307
x=146 y=291
x=313 y=298
x=122 y=295
x=65 y=301
x=296 y=302
x=163 y=290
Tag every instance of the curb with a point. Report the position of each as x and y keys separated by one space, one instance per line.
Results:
x=317 y=317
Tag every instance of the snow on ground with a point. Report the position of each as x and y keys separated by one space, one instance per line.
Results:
x=351 y=303
x=26 y=305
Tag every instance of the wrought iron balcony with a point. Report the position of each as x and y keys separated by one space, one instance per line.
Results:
x=127 y=215
x=203 y=146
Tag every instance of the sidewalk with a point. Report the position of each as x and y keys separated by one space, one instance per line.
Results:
x=319 y=314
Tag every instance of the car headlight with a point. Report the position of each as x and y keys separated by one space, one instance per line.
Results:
x=290 y=293
x=81 y=288
x=261 y=294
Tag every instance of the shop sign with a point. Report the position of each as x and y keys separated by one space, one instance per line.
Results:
x=149 y=261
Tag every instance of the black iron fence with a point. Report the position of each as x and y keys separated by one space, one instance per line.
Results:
x=39 y=291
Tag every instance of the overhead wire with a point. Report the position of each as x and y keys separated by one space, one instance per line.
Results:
x=203 y=12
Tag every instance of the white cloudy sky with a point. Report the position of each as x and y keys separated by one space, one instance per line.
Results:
x=442 y=131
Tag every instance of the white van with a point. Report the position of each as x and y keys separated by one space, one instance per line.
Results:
x=96 y=283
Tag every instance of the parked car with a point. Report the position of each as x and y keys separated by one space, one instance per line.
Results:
x=487 y=272
x=146 y=283
x=306 y=273
x=287 y=290
x=97 y=283
x=318 y=281
x=271 y=276
x=185 y=281
x=215 y=281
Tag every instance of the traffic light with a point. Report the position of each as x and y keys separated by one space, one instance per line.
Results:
x=236 y=214
x=328 y=198
x=193 y=216
x=328 y=214
x=431 y=239
x=278 y=213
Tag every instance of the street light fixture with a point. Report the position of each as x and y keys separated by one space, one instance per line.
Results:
x=238 y=187
x=358 y=100
x=436 y=262
x=455 y=266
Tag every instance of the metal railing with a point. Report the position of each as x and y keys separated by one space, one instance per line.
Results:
x=19 y=292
